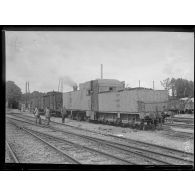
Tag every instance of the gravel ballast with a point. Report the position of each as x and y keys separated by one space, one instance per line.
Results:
x=28 y=149
x=157 y=137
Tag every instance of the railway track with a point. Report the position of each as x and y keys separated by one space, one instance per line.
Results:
x=11 y=152
x=155 y=154
x=188 y=121
x=184 y=119
x=83 y=153
x=177 y=134
x=185 y=126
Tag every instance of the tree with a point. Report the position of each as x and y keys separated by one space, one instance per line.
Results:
x=172 y=86
x=166 y=84
x=13 y=94
x=179 y=87
x=184 y=88
x=169 y=84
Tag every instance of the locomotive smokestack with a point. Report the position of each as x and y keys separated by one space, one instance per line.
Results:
x=75 y=87
x=101 y=71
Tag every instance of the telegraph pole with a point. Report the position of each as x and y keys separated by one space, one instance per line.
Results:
x=28 y=88
x=26 y=94
x=62 y=86
x=59 y=86
x=153 y=85
x=101 y=71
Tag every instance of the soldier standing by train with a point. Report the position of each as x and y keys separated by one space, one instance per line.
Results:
x=47 y=115
x=37 y=115
x=63 y=112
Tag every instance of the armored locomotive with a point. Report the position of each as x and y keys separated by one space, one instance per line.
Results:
x=108 y=101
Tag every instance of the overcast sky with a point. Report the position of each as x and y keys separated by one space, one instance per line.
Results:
x=43 y=57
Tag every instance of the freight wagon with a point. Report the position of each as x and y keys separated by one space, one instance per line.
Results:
x=108 y=101
x=53 y=100
x=36 y=100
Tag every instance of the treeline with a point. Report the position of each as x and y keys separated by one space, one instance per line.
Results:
x=14 y=95
x=179 y=88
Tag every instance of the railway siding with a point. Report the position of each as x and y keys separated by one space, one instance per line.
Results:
x=30 y=150
x=143 y=151
x=155 y=137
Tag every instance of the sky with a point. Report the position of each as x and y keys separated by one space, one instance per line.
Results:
x=42 y=58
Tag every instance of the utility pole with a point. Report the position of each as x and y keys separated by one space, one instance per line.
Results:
x=62 y=86
x=26 y=94
x=139 y=83
x=153 y=85
x=101 y=71
x=59 y=86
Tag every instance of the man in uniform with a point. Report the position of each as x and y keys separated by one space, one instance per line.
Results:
x=142 y=116
x=63 y=112
x=47 y=115
x=37 y=115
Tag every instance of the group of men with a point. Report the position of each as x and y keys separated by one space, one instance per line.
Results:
x=48 y=115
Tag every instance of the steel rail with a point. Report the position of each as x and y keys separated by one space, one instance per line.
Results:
x=77 y=145
x=121 y=147
x=58 y=150
x=126 y=139
x=12 y=153
x=122 y=138
x=113 y=145
x=183 y=118
x=190 y=126
x=85 y=147
x=179 y=134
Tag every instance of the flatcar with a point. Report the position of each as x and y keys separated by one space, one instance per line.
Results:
x=108 y=101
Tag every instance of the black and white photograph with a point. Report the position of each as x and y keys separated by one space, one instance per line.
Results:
x=99 y=97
